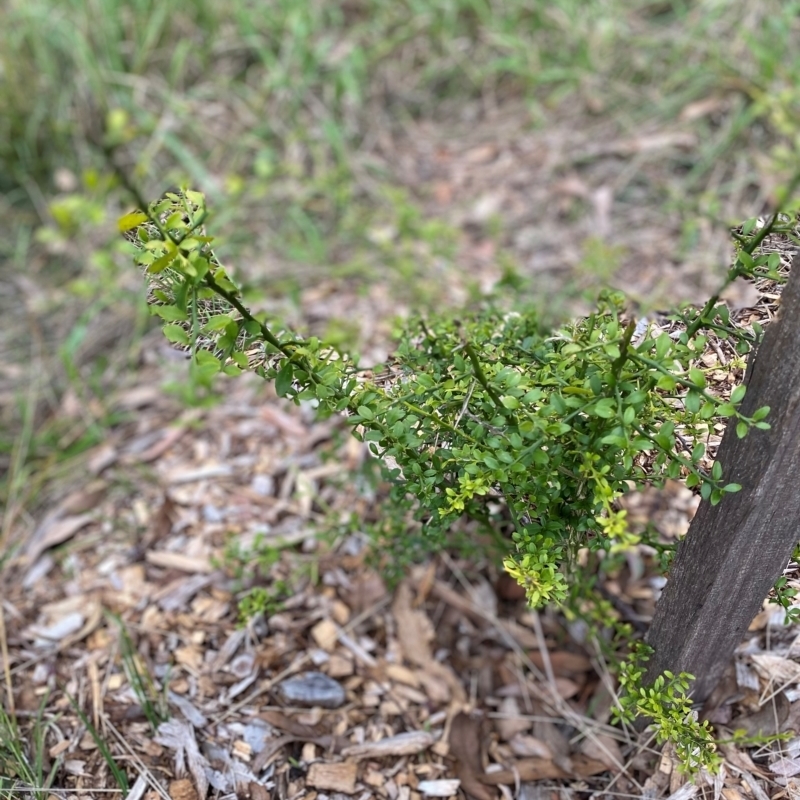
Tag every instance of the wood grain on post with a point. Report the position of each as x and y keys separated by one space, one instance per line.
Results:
x=735 y=551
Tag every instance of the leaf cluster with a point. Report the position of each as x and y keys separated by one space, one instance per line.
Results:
x=668 y=708
x=483 y=412
x=491 y=417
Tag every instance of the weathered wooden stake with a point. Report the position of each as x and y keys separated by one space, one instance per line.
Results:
x=735 y=551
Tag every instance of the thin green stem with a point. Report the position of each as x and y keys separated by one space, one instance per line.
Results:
x=684 y=462
x=208 y=278
x=619 y=363
x=736 y=270
x=481 y=375
x=680 y=381
x=231 y=298
x=438 y=420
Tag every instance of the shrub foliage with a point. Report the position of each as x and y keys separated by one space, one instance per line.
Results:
x=488 y=415
x=486 y=411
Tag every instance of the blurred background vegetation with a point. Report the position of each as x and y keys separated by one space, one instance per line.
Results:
x=364 y=157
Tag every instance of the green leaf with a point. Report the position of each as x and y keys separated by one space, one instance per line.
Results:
x=737 y=395
x=365 y=412
x=217 y=323
x=557 y=402
x=708 y=410
x=160 y=264
x=232 y=330
x=697 y=377
x=760 y=413
x=663 y=344
x=169 y=313
x=716 y=471
x=176 y=334
x=190 y=243
x=692 y=402
x=204 y=358
x=175 y=221
x=745 y=259
x=605 y=408
x=741 y=429
x=666 y=383
x=206 y=365
x=284 y=378
x=509 y=401
x=732 y=487
x=532 y=396
x=130 y=221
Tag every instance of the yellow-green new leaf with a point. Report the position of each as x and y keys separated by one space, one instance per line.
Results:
x=130 y=221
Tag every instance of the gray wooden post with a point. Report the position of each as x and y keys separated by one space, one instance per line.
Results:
x=735 y=551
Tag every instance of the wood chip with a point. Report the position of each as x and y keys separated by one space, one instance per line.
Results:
x=776 y=669
x=605 y=748
x=182 y=789
x=509 y=627
x=333 y=777
x=529 y=746
x=415 y=633
x=179 y=561
x=445 y=787
x=325 y=634
x=340 y=667
x=467 y=741
x=539 y=769
x=179 y=736
x=404 y=744
x=687 y=791
x=414 y=629
x=55 y=531
x=509 y=722
x=401 y=674
x=755 y=787
x=192 y=474
x=564 y=664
